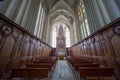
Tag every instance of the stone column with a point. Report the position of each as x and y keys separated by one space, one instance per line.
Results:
x=38 y=20
x=104 y=13
x=42 y=24
x=21 y=12
x=35 y=13
x=25 y=14
x=95 y=17
x=32 y=16
x=18 y=6
x=90 y=15
x=97 y=14
x=118 y=3
x=98 y=11
x=77 y=21
x=4 y=6
x=112 y=9
x=45 y=27
x=83 y=20
x=11 y=9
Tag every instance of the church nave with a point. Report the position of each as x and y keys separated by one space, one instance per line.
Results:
x=59 y=39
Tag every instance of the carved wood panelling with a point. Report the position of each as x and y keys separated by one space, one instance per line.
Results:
x=18 y=46
x=102 y=47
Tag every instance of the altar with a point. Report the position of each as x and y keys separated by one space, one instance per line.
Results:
x=61 y=44
x=61 y=55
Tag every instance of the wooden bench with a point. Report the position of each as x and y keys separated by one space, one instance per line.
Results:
x=52 y=59
x=76 y=66
x=29 y=73
x=79 y=62
x=75 y=60
x=96 y=72
x=40 y=65
x=46 y=62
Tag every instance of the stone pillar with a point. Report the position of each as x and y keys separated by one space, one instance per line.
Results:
x=42 y=23
x=45 y=27
x=84 y=25
x=117 y=3
x=77 y=21
x=90 y=15
x=11 y=9
x=21 y=12
x=32 y=15
x=38 y=21
x=26 y=12
x=18 y=6
x=95 y=17
x=98 y=11
x=104 y=12
x=4 y=6
x=112 y=8
x=35 y=13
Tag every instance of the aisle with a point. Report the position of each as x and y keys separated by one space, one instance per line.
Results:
x=62 y=71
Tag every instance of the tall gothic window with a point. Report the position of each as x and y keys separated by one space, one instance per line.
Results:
x=83 y=20
x=40 y=21
x=55 y=32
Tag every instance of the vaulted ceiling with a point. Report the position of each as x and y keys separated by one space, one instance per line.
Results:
x=51 y=3
x=61 y=11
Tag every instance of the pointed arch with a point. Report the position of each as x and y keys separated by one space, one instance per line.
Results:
x=61 y=4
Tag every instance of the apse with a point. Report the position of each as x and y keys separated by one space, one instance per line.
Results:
x=66 y=33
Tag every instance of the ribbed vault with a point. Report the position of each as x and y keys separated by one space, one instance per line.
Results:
x=61 y=12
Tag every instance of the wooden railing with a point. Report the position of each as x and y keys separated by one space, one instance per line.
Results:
x=18 y=46
x=102 y=47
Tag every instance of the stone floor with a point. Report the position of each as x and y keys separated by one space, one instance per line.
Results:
x=62 y=71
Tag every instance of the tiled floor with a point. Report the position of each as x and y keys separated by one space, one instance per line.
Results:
x=62 y=71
